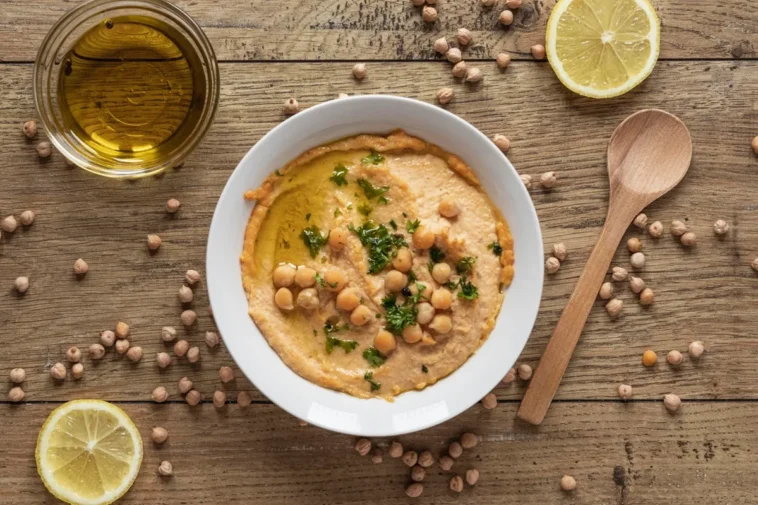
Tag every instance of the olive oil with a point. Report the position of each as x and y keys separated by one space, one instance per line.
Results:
x=131 y=90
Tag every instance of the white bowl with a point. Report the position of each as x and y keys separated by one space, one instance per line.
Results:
x=414 y=410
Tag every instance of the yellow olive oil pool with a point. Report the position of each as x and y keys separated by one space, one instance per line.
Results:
x=131 y=89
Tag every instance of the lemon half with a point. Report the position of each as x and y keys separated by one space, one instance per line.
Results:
x=88 y=452
x=602 y=48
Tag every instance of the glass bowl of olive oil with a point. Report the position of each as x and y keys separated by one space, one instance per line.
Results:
x=126 y=88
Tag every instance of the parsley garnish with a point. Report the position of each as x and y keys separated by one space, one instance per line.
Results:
x=365 y=209
x=369 y=377
x=430 y=265
x=424 y=369
x=308 y=216
x=313 y=239
x=436 y=254
x=373 y=159
x=382 y=246
x=468 y=290
x=330 y=328
x=374 y=357
x=496 y=249
x=412 y=276
x=389 y=301
x=384 y=200
x=338 y=175
x=321 y=282
x=393 y=224
x=278 y=173
x=418 y=296
x=399 y=317
x=347 y=345
x=370 y=190
x=451 y=285
x=465 y=265
x=411 y=226
x=337 y=212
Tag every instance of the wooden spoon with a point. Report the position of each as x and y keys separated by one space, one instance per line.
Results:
x=648 y=154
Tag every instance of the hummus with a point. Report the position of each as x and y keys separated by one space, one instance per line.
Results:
x=380 y=195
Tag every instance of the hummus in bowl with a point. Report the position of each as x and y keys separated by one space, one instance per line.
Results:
x=425 y=155
x=375 y=265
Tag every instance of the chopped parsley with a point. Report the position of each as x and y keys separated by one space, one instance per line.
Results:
x=393 y=224
x=332 y=342
x=384 y=200
x=321 y=282
x=369 y=377
x=412 y=276
x=418 y=296
x=389 y=301
x=424 y=369
x=381 y=245
x=430 y=265
x=313 y=239
x=374 y=357
x=308 y=216
x=330 y=328
x=436 y=254
x=411 y=226
x=371 y=191
x=373 y=159
x=468 y=290
x=278 y=173
x=337 y=212
x=399 y=317
x=405 y=215
x=365 y=209
x=497 y=250
x=451 y=285
x=465 y=265
x=338 y=175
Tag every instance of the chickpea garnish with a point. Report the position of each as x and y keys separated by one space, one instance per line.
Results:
x=606 y=291
x=107 y=338
x=184 y=385
x=77 y=371
x=720 y=227
x=614 y=307
x=284 y=276
x=489 y=402
x=552 y=265
x=181 y=347
x=410 y=458
x=502 y=60
x=385 y=342
x=226 y=374
x=168 y=333
x=348 y=299
x=305 y=277
x=424 y=313
x=634 y=245
x=548 y=179
x=696 y=349
x=412 y=333
x=159 y=434
x=674 y=358
x=193 y=397
x=395 y=281
x=637 y=284
x=219 y=399
x=441 y=323
x=453 y=55
x=414 y=490
x=754 y=264
x=308 y=299
x=506 y=18
x=284 y=299
x=17 y=375
x=335 y=280
x=445 y=95
x=418 y=473
x=166 y=469
x=472 y=476
x=469 y=440
x=122 y=346
x=291 y=107
x=671 y=402
x=359 y=71
x=688 y=239
x=456 y=483
x=403 y=261
x=441 y=273
x=441 y=46
x=80 y=267
x=625 y=392
x=426 y=292
x=448 y=207
x=524 y=372
x=361 y=315
x=160 y=394
x=678 y=228
x=568 y=483
x=649 y=358
x=337 y=239
x=460 y=69
x=188 y=317
x=429 y=14
x=647 y=297
x=442 y=299
x=619 y=274
x=637 y=260
x=538 y=51
x=153 y=242
x=504 y=144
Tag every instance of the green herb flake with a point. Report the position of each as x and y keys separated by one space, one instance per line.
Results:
x=405 y=215
x=374 y=357
x=349 y=206
x=468 y=290
x=374 y=158
x=337 y=212
x=399 y=317
x=370 y=190
x=465 y=265
x=424 y=369
x=393 y=224
x=338 y=175
x=369 y=377
x=436 y=254
x=384 y=200
x=451 y=285
x=382 y=246
x=412 y=276
x=346 y=345
x=412 y=226
x=365 y=209
x=313 y=239
x=497 y=250
x=308 y=216
x=278 y=173
x=430 y=266
x=389 y=301
x=315 y=333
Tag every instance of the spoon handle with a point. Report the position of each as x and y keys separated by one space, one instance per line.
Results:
x=552 y=365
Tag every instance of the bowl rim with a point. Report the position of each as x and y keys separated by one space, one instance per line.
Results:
x=467 y=394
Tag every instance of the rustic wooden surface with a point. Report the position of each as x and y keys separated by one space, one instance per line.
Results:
x=704 y=454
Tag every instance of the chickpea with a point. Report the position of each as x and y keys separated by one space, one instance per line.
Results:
x=625 y=391
x=412 y=334
x=425 y=313
x=456 y=449
x=335 y=280
x=426 y=291
x=348 y=299
x=671 y=402
x=337 y=239
x=395 y=281
x=305 y=277
x=441 y=323
x=655 y=230
x=385 y=342
x=361 y=315
x=226 y=374
x=449 y=207
x=649 y=358
x=442 y=298
x=181 y=347
x=403 y=261
x=308 y=299
x=122 y=346
x=423 y=237
x=647 y=297
x=184 y=385
x=568 y=483
x=284 y=276
x=441 y=273
x=606 y=291
x=696 y=349
x=283 y=299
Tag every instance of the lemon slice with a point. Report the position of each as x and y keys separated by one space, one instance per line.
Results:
x=88 y=452
x=602 y=48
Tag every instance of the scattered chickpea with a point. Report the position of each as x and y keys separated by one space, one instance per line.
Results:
x=385 y=342
x=122 y=346
x=418 y=3
x=568 y=483
x=640 y=221
x=647 y=297
x=472 y=476
x=395 y=281
x=9 y=224
x=363 y=446
x=30 y=129
x=655 y=230
x=429 y=14
x=160 y=394
x=688 y=239
x=441 y=323
x=625 y=392
x=219 y=399
x=335 y=280
x=509 y=377
x=445 y=95
x=184 y=385
x=359 y=71
x=377 y=456
x=548 y=179
x=17 y=375
x=456 y=449
x=441 y=46
x=720 y=227
x=163 y=359
x=489 y=401
x=474 y=75
x=305 y=277
x=291 y=107
x=74 y=355
x=413 y=333
x=637 y=284
x=634 y=245
x=678 y=228
x=172 y=205
x=469 y=440
x=552 y=265
x=464 y=36
x=488 y=3
x=107 y=338
x=192 y=277
x=396 y=449
x=27 y=217
x=418 y=473
x=21 y=284
x=189 y=317
x=181 y=347
x=44 y=149
x=527 y=180
x=77 y=371
x=671 y=402
x=637 y=260
x=168 y=333
x=453 y=55
x=166 y=469
x=414 y=490
x=619 y=274
x=754 y=145
x=192 y=397
x=410 y=458
x=649 y=358
x=226 y=374
x=212 y=338
x=16 y=394
x=696 y=349
x=193 y=354
x=502 y=60
x=122 y=330
x=506 y=18
x=513 y=4
x=159 y=434
x=674 y=358
x=446 y=463
x=80 y=267
x=425 y=459
x=361 y=315
x=441 y=273
x=614 y=307
x=538 y=51
x=185 y=294
x=606 y=291
x=243 y=399
x=524 y=372
x=754 y=264
x=456 y=483
x=504 y=144
x=153 y=242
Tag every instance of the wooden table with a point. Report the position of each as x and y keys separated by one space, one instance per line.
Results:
x=623 y=453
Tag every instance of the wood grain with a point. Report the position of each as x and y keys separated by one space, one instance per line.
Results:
x=706 y=293
x=393 y=29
